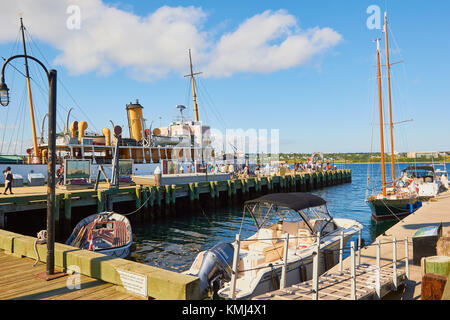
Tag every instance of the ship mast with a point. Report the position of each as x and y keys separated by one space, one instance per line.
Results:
x=390 y=106
x=30 y=98
x=192 y=74
x=381 y=120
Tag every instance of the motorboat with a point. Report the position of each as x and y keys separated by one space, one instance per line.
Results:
x=301 y=215
x=424 y=177
x=106 y=232
x=442 y=175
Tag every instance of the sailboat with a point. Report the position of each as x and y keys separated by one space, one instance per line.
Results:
x=394 y=201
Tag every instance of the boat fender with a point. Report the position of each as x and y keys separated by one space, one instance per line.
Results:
x=275 y=279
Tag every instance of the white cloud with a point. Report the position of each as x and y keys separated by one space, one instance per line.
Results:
x=154 y=45
x=268 y=42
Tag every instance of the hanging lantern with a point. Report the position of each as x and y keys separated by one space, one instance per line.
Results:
x=4 y=94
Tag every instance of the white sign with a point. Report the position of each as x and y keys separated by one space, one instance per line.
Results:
x=133 y=282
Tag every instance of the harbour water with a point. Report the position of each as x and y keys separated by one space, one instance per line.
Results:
x=174 y=242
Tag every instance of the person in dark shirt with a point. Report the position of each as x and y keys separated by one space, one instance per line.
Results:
x=8 y=180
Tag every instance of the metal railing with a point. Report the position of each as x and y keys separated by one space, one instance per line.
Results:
x=355 y=261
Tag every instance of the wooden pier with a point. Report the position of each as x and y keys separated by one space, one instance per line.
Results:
x=155 y=198
x=19 y=282
x=335 y=284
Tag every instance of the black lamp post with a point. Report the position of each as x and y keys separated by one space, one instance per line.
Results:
x=4 y=101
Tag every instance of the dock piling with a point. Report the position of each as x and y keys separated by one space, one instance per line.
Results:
x=237 y=245
x=285 y=262
x=407 y=258
x=341 y=252
x=359 y=248
x=378 y=279
x=353 y=271
x=394 y=263
x=315 y=277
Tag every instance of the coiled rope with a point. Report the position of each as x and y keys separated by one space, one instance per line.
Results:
x=41 y=239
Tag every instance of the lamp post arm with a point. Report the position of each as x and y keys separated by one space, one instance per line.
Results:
x=23 y=56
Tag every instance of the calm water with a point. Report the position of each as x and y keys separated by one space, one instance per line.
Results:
x=174 y=243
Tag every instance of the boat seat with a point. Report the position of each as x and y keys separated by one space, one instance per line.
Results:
x=290 y=227
x=267 y=235
x=270 y=252
x=264 y=235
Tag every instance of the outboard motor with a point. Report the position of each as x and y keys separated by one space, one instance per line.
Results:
x=216 y=266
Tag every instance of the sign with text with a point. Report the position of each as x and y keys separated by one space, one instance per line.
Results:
x=133 y=282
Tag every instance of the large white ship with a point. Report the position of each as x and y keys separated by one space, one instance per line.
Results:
x=182 y=143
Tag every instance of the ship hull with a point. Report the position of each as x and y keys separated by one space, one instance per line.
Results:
x=384 y=209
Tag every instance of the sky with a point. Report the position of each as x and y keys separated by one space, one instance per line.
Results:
x=306 y=68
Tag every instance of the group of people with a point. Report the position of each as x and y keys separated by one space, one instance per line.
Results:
x=311 y=166
x=246 y=170
x=9 y=178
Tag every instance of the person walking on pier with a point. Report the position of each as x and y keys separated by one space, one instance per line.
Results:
x=8 y=180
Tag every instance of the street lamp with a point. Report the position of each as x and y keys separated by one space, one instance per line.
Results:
x=4 y=94
x=4 y=101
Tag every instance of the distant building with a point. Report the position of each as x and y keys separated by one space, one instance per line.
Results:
x=428 y=154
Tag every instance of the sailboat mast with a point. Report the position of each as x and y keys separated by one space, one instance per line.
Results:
x=390 y=105
x=193 y=87
x=383 y=174
x=36 y=150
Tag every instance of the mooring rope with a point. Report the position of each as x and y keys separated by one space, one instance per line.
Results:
x=41 y=239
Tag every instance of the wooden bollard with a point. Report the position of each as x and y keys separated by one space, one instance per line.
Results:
x=211 y=190
x=138 y=196
x=100 y=201
x=167 y=195
x=269 y=183
x=67 y=213
x=433 y=286
x=58 y=200
x=229 y=189
x=159 y=190
x=153 y=191
x=173 y=194
x=243 y=187
x=145 y=197
x=191 y=192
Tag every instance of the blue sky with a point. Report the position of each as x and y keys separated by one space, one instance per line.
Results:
x=323 y=103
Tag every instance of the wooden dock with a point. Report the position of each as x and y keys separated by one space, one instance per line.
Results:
x=432 y=213
x=155 y=198
x=18 y=281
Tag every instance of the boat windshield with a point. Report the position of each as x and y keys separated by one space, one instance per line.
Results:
x=317 y=213
x=266 y=214
x=419 y=172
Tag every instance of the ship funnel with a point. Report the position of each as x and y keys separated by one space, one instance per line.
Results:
x=156 y=132
x=74 y=129
x=107 y=133
x=82 y=126
x=135 y=120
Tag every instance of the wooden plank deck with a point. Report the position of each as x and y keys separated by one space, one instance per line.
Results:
x=18 y=282
x=337 y=286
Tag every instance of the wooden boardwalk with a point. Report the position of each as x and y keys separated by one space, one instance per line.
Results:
x=337 y=286
x=18 y=282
